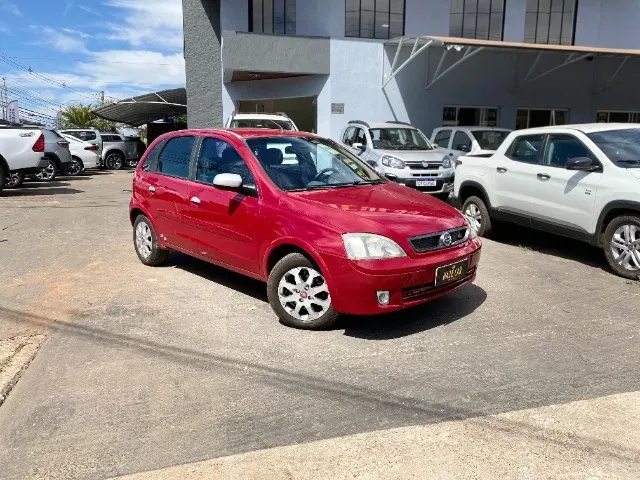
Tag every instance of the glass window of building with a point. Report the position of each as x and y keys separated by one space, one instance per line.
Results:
x=550 y=21
x=462 y=116
x=618 y=117
x=272 y=16
x=541 y=117
x=483 y=19
x=374 y=18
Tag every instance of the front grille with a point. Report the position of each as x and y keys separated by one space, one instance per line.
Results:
x=422 y=291
x=425 y=175
x=420 y=166
x=436 y=241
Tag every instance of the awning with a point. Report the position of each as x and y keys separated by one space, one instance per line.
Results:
x=472 y=47
x=146 y=108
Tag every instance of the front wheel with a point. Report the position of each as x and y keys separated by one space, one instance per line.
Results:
x=477 y=213
x=146 y=243
x=622 y=246
x=299 y=294
x=15 y=180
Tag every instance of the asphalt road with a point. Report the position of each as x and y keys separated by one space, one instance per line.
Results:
x=148 y=368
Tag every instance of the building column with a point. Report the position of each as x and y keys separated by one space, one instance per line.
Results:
x=202 y=53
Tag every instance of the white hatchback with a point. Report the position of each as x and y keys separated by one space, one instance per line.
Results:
x=83 y=154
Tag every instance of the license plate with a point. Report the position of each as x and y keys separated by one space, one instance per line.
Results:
x=451 y=273
x=426 y=183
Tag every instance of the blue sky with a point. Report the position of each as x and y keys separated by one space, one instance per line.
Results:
x=78 y=48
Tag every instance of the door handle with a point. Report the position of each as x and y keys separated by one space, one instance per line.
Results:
x=152 y=188
x=195 y=200
x=501 y=169
x=544 y=176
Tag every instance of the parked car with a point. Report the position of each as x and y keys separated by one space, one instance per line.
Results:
x=402 y=153
x=328 y=234
x=90 y=135
x=457 y=141
x=21 y=153
x=118 y=152
x=580 y=181
x=83 y=155
x=261 y=120
x=56 y=149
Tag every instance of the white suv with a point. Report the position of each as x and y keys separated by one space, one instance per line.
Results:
x=261 y=120
x=459 y=141
x=580 y=181
x=401 y=152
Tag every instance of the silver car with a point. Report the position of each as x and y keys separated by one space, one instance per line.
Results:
x=56 y=149
x=401 y=153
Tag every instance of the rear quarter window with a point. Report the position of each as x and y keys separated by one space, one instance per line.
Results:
x=526 y=149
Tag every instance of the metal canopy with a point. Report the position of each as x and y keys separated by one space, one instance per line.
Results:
x=146 y=108
x=472 y=47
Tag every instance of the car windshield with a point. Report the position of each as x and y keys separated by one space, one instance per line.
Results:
x=399 y=139
x=621 y=146
x=261 y=123
x=310 y=163
x=489 y=139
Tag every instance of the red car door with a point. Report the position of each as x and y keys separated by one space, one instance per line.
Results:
x=168 y=189
x=222 y=224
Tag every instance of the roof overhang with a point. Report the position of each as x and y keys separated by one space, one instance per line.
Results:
x=147 y=108
x=472 y=46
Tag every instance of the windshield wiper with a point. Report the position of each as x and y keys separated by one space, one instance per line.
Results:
x=336 y=185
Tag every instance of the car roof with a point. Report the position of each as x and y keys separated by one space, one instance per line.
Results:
x=259 y=116
x=368 y=124
x=250 y=132
x=585 y=127
x=473 y=128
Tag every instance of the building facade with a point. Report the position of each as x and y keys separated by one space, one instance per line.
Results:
x=508 y=63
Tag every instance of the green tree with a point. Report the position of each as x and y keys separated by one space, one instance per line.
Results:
x=78 y=116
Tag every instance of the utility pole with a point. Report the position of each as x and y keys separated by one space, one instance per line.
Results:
x=102 y=97
x=4 y=99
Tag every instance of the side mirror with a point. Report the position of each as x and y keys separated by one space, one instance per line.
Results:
x=358 y=146
x=227 y=180
x=584 y=164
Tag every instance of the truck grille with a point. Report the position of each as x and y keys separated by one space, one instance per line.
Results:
x=437 y=241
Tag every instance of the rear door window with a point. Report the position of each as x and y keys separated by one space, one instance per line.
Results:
x=461 y=142
x=175 y=157
x=442 y=138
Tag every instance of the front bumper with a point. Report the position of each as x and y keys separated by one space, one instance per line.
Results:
x=442 y=184
x=410 y=281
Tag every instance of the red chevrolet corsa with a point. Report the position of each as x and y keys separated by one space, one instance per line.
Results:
x=323 y=229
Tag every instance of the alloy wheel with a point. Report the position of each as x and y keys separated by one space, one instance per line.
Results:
x=144 y=240
x=47 y=173
x=75 y=169
x=304 y=294
x=472 y=212
x=114 y=162
x=14 y=180
x=625 y=247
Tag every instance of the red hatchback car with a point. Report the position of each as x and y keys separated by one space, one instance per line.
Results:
x=296 y=210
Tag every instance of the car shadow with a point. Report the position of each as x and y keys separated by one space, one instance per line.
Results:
x=31 y=184
x=40 y=189
x=438 y=312
x=435 y=313
x=550 y=244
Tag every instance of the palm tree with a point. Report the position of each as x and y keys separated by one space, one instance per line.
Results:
x=78 y=116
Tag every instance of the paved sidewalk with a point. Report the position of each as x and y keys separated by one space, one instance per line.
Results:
x=590 y=439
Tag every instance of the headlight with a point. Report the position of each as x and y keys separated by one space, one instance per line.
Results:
x=367 y=246
x=473 y=231
x=446 y=162
x=392 y=162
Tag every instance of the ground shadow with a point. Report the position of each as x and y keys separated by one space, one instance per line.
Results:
x=42 y=189
x=550 y=244
x=435 y=313
x=219 y=275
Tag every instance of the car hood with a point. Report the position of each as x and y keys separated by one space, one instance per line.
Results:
x=415 y=155
x=635 y=172
x=386 y=209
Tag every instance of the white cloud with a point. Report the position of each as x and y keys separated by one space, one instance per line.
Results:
x=62 y=42
x=12 y=8
x=145 y=23
x=76 y=32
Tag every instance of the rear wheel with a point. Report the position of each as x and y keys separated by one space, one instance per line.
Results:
x=299 y=294
x=76 y=167
x=114 y=161
x=48 y=173
x=146 y=243
x=622 y=246
x=477 y=213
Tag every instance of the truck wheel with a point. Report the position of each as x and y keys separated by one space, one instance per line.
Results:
x=622 y=246
x=477 y=213
x=114 y=161
x=299 y=294
x=15 y=180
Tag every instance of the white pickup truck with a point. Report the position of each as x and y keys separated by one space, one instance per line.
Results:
x=21 y=152
x=579 y=181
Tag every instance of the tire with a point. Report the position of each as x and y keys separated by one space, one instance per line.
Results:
x=622 y=237
x=76 y=167
x=146 y=243
x=15 y=180
x=297 y=289
x=114 y=161
x=3 y=179
x=475 y=209
x=47 y=174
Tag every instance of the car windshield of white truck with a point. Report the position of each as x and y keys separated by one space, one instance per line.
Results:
x=621 y=146
x=399 y=139
x=261 y=123
x=489 y=139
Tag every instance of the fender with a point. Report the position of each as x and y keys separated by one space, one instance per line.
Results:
x=296 y=242
x=472 y=183
x=614 y=205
